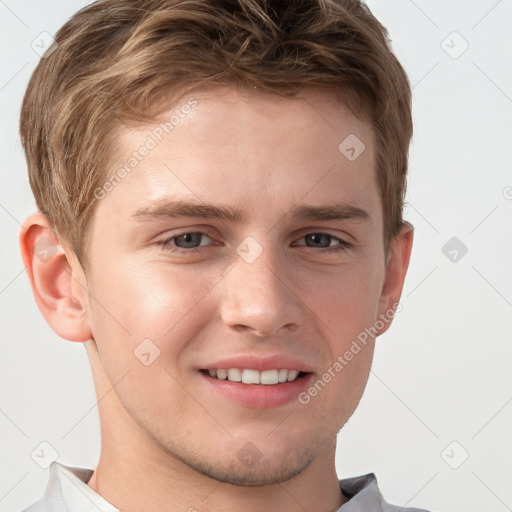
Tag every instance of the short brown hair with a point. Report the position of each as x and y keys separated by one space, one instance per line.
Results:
x=121 y=61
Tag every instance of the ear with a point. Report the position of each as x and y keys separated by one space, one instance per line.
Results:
x=396 y=269
x=57 y=279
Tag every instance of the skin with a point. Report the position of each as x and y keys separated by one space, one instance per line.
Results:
x=168 y=441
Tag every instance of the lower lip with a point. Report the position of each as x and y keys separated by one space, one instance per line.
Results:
x=260 y=396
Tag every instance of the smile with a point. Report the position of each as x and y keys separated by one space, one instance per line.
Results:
x=251 y=376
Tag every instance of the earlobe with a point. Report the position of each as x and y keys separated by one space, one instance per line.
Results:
x=51 y=277
x=396 y=270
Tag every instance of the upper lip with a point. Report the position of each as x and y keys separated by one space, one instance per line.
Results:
x=278 y=361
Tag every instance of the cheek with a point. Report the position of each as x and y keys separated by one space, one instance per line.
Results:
x=133 y=304
x=142 y=322
x=347 y=301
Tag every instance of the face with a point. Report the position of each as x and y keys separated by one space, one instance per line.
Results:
x=254 y=274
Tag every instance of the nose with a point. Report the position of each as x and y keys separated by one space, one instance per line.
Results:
x=261 y=297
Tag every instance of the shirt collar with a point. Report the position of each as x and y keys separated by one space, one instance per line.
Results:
x=67 y=491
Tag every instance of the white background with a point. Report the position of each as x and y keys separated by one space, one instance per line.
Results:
x=442 y=372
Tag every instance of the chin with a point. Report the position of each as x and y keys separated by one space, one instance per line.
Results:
x=248 y=466
x=263 y=472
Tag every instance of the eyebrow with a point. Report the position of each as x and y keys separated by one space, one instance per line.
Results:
x=176 y=209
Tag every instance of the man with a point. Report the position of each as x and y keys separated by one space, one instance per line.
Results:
x=220 y=187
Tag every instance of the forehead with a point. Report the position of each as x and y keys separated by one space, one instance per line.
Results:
x=242 y=115
x=249 y=148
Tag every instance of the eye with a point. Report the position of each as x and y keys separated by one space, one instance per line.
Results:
x=184 y=242
x=189 y=242
x=324 y=240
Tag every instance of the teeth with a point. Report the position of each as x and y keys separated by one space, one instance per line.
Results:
x=234 y=375
x=269 y=377
x=292 y=374
x=250 y=376
x=283 y=375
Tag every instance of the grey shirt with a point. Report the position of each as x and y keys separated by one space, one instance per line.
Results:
x=67 y=491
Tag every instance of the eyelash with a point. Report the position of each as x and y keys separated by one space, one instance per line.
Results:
x=342 y=246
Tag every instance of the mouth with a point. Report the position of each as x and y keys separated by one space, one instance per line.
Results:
x=256 y=389
x=251 y=376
